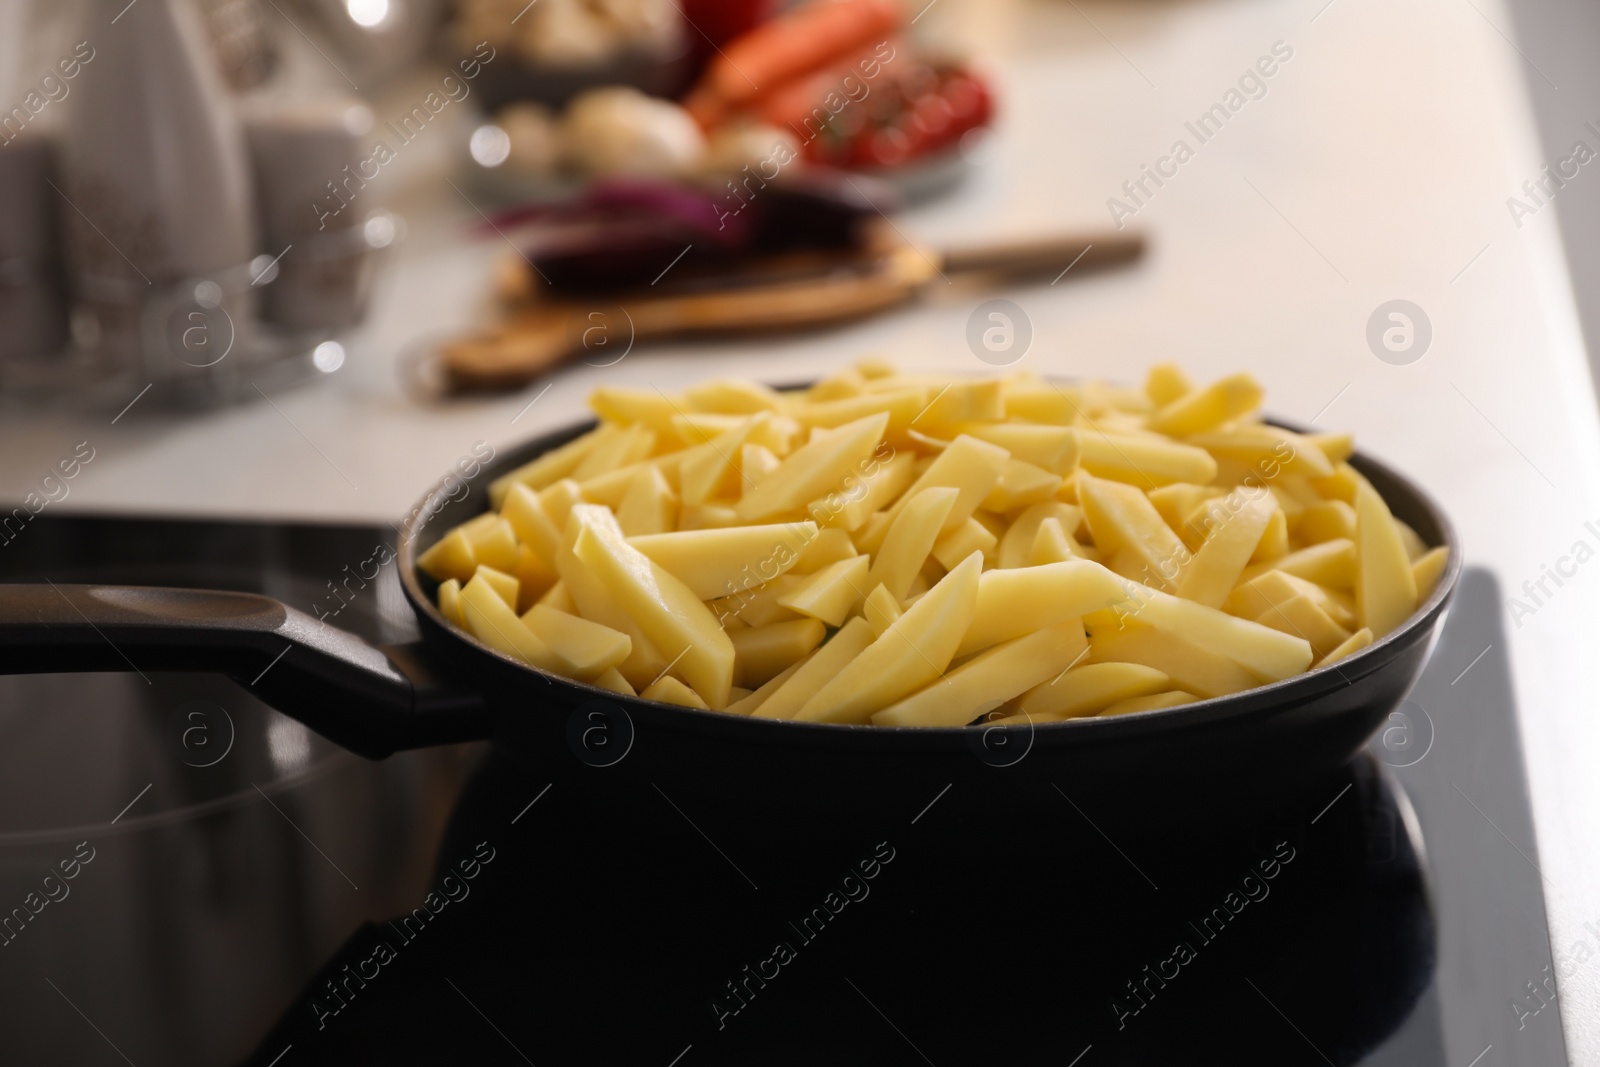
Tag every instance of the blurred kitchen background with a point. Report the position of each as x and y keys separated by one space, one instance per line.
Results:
x=275 y=265
x=206 y=201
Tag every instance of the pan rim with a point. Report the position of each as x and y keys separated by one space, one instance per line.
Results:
x=1279 y=696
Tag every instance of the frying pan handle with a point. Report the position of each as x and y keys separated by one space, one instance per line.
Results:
x=373 y=701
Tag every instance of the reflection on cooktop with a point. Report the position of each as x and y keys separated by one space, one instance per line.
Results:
x=402 y=912
x=612 y=926
x=605 y=930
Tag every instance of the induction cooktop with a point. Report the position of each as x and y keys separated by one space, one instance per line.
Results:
x=264 y=898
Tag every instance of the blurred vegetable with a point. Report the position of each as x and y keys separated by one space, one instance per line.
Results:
x=910 y=112
x=790 y=46
x=621 y=131
x=534 y=136
x=620 y=234
x=747 y=145
x=570 y=33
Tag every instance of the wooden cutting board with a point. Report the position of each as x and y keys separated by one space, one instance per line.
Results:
x=787 y=292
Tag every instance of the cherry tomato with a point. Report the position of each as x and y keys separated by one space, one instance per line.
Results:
x=933 y=117
x=888 y=147
x=968 y=100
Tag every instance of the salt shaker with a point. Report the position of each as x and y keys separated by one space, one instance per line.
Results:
x=314 y=210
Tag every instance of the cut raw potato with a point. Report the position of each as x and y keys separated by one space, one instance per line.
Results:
x=1386 y=591
x=1427 y=571
x=901 y=405
x=534 y=577
x=450 y=602
x=493 y=622
x=824 y=665
x=1330 y=563
x=503 y=584
x=1300 y=617
x=675 y=620
x=756 y=462
x=1338 y=447
x=881 y=609
x=1262 y=593
x=614 y=681
x=558 y=597
x=878 y=487
x=1352 y=644
x=912 y=652
x=986 y=681
x=969 y=465
x=1176 y=502
x=829 y=546
x=1328 y=521
x=1266 y=652
x=815 y=469
x=668 y=690
x=624 y=406
x=558 y=500
x=971 y=536
x=587 y=648
x=1190 y=666
x=1415 y=548
x=1206 y=409
x=590 y=599
x=1017 y=545
x=759 y=605
x=732 y=396
x=748 y=705
x=1274 y=543
x=649 y=506
x=1052 y=544
x=957 y=402
x=710 y=469
x=1266 y=450
x=1085 y=690
x=1021 y=484
x=1054 y=448
x=616 y=451
x=832 y=594
x=530 y=522
x=1122 y=517
x=1215 y=568
x=706 y=517
x=721 y=562
x=1147 y=462
x=1011 y=603
x=1343 y=483
x=450 y=557
x=1166 y=383
x=909 y=540
x=1000 y=548
x=762 y=652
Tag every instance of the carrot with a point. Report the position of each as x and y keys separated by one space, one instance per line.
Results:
x=796 y=101
x=789 y=46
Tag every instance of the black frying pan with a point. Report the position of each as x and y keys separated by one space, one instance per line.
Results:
x=448 y=688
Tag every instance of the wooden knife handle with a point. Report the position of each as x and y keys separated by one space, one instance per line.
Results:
x=1048 y=255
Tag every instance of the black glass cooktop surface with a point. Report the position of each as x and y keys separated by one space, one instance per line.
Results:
x=251 y=894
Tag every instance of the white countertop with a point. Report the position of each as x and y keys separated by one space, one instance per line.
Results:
x=1376 y=167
